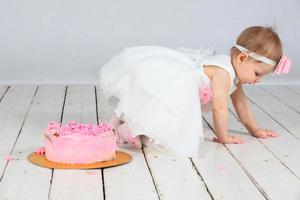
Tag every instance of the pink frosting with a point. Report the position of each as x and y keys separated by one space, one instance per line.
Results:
x=77 y=143
x=74 y=127
x=9 y=158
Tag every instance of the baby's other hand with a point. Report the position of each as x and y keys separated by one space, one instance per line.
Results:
x=231 y=139
x=264 y=133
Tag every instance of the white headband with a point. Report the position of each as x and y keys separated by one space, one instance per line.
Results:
x=256 y=56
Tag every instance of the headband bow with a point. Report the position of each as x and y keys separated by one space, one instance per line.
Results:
x=283 y=66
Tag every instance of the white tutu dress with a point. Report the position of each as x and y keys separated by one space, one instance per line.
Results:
x=155 y=90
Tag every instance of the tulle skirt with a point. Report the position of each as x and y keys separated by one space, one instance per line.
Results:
x=155 y=90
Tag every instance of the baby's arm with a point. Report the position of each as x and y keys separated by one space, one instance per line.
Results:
x=220 y=84
x=245 y=114
x=243 y=109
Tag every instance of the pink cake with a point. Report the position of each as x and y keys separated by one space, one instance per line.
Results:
x=76 y=143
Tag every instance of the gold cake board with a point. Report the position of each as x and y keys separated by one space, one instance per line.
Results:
x=40 y=160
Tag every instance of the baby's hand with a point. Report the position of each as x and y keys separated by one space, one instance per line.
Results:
x=231 y=139
x=264 y=133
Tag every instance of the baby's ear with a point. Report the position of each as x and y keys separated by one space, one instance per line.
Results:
x=242 y=57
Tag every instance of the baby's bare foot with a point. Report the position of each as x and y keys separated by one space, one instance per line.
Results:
x=125 y=133
x=116 y=122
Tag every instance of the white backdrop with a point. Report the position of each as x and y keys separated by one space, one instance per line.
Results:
x=67 y=41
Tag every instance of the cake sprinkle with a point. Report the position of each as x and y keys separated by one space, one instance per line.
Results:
x=73 y=127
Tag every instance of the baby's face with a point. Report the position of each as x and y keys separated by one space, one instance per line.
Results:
x=250 y=71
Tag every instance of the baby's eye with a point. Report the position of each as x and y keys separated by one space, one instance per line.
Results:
x=257 y=74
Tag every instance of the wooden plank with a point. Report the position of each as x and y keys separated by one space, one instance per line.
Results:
x=284 y=95
x=270 y=176
x=3 y=89
x=223 y=176
x=22 y=180
x=79 y=106
x=13 y=110
x=294 y=88
x=105 y=110
x=130 y=181
x=76 y=184
x=175 y=173
x=285 y=147
x=279 y=111
x=175 y=177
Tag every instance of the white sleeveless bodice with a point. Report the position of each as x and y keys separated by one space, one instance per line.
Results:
x=222 y=61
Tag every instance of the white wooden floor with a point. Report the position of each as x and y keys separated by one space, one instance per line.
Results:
x=258 y=169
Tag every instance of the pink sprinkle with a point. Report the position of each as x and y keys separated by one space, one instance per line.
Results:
x=91 y=172
x=9 y=158
x=221 y=168
x=55 y=128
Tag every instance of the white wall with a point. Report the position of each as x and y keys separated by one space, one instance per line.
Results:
x=67 y=41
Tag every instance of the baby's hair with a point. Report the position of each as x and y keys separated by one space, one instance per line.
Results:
x=261 y=40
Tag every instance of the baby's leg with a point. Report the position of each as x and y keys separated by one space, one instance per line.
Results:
x=123 y=133
x=116 y=122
